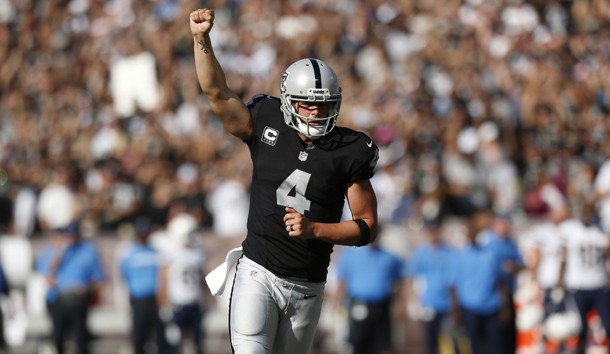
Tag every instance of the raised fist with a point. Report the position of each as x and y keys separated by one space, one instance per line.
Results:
x=202 y=21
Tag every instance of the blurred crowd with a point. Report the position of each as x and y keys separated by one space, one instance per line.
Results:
x=474 y=103
x=497 y=105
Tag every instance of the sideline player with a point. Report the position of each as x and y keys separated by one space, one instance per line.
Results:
x=586 y=276
x=304 y=166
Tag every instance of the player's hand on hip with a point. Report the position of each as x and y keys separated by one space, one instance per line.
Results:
x=297 y=224
x=202 y=21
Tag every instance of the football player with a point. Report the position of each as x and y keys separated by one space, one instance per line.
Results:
x=586 y=276
x=304 y=167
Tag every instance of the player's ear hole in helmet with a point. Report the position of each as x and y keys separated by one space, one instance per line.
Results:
x=310 y=84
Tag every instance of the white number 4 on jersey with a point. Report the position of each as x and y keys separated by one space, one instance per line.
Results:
x=297 y=181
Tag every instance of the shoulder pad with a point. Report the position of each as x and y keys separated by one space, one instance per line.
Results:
x=338 y=138
x=256 y=98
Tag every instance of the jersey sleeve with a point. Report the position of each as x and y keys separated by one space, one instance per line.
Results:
x=253 y=105
x=363 y=159
x=259 y=107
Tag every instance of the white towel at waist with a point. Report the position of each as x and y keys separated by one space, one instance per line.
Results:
x=217 y=278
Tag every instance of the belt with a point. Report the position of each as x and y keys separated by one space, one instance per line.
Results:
x=297 y=279
x=142 y=299
x=72 y=295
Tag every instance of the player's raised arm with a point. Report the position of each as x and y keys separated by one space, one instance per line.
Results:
x=225 y=103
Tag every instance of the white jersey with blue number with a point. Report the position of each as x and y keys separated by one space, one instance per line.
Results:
x=585 y=255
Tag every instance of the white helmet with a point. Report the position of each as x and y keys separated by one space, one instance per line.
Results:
x=181 y=227
x=529 y=317
x=310 y=80
x=562 y=325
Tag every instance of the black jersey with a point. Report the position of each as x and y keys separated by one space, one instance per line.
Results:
x=309 y=178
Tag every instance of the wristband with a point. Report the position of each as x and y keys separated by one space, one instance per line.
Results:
x=365 y=232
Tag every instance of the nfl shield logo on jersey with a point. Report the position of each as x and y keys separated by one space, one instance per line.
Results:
x=303 y=156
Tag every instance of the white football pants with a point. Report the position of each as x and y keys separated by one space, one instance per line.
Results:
x=272 y=315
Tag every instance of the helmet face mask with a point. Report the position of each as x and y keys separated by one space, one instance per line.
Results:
x=314 y=83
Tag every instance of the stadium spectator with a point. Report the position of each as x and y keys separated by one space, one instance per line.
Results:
x=188 y=189
x=57 y=204
x=526 y=117
x=24 y=207
x=229 y=205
